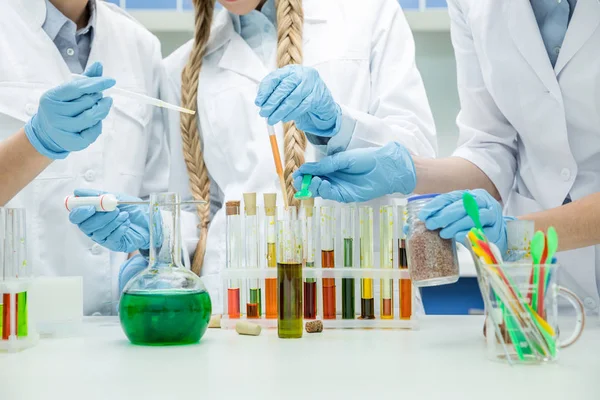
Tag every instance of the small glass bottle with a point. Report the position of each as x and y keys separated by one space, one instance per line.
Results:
x=289 y=275
x=432 y=261
x=405 y=284
x=270 y=200
x=233 y=259
x=367 y=301
x=165 y=304
x=348 y=235
x=309 y=245
x=254 y=300
x=328 y=260
x=386 y=260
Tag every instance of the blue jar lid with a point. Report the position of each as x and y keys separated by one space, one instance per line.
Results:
x=423 y=197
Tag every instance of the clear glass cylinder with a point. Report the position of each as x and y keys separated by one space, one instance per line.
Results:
x=289 y=275
x=348 y=234
x=367 y=301
x=270 y=201
x=309 y=235
x=254 y=299
x=386 y=260
x=234 y=256
x=405 y=285
x=165 y=304
x=432 y=260
x=328 y=260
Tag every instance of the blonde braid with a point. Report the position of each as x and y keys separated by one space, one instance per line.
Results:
x=190 y=132
x=290 y=23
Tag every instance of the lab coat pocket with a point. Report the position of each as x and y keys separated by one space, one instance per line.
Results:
x=126 y=136
x=18 y=103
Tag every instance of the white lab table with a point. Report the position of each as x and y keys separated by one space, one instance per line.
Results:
x=445 y=359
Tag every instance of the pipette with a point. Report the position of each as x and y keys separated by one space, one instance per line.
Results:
x=144 y=99
x=277 y=159
x=107 y=202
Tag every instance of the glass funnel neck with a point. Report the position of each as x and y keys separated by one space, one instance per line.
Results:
x=165 y=233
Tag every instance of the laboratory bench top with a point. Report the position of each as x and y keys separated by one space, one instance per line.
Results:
x=444 y=359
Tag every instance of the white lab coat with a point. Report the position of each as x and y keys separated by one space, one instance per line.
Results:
x=131 y=155
x=365 y=55
x=534 y=130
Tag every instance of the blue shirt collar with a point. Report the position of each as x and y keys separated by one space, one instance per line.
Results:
x=55 y=21
x=268 y=9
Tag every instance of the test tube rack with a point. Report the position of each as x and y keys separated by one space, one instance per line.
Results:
x=339 y=273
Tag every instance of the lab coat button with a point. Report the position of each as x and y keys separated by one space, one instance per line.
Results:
x=557 y=50
x=30 y=109
x=89 y=175
x=70 y=51
x=565 y=174
x=96 y=249
x=589 y=303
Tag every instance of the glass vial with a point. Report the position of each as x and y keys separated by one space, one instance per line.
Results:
x=348 y=234
x=270 y=200
x=386 y=260
x=309 y=246
x=254 y=299
x=234 y=256
x=289 y=275
x=328 y=260
x=405 y=285
x=367 y=302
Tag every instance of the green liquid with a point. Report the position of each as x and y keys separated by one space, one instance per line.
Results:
x=22 y=314
x=158 y=319
x=348 y=301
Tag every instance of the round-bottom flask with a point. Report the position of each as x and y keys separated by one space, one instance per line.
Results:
x=165 y=304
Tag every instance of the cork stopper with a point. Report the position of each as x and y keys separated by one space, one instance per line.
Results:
x=314 y=327
x=309 y=205
x=232 y=208
x=270 y=204
x=250 y=203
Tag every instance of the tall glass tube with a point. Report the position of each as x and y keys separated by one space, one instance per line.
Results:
x=328 y=260
x=234 y=256
x=289 y=275
x=367 y=302
x=405 y=285
x=348 y=233
x=386 y=260
x=254 y=300
x=270 y=200
x=309 y=245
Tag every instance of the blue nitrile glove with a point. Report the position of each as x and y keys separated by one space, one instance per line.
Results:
x=125 y=229
x=131 y=268
x=447 y=212
x=297 y=93
x=361 y=174
x=70 y=116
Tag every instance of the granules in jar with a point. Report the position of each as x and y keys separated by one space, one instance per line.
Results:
x=431 y=259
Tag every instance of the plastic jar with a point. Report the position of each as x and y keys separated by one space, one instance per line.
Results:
x=432 y=261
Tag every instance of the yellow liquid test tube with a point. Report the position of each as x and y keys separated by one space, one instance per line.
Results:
x=367 y=302
x=254 y=300
x=386 y=260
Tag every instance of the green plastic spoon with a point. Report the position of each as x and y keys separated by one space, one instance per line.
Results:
x=538 y=243
x=472 y=210
x=304 y=193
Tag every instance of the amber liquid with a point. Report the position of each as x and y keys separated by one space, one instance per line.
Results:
x=328 y=261
x=405 y=284
x=253 y=307
x=367 y=308
x=233 y=302
x=289 y=281
x=310 y=300
x=271 y=283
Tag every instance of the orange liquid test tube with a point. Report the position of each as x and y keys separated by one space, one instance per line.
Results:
x=270 y=200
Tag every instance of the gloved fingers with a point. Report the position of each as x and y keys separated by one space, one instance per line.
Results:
x=298 y=111
x=139 y=237
x=94 y=70
x=461 y=225
x=315 y=184
x=81 y=214
x=92 y=133
x=103 y=232
x=131 y=268
x=329 y=191
x=292 y=101
x=115 y=241
x=436 y=204
x=87 y=192
x=74 y=107
x=489 y=217
x=297 y=181
x=445 y=216
x=270 y=82
x=99 y=221
x=89 y=117
x=282 y=93
x=327 y=165
x=80 y=87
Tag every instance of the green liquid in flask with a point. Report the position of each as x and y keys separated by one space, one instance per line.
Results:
x=159 y=319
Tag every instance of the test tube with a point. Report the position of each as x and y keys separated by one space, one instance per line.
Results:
x=254 y=301
x=270 y=200
x=348 y=232
x=309 y=246
x=367 y=302
x=289 y=275
x=405 y=285
x=234 y=256
x=386 y=260
x=328 y=260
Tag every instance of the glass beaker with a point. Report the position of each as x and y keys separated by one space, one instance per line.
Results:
x=522 y=323
x=432 y=261
x=16 y=329
x=165 y=304
x=289 y=275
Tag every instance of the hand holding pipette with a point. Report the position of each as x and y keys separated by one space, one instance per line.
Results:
x=107 y=202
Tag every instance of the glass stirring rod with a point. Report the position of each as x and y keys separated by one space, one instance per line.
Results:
x=107 y=202
x=277 y=159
